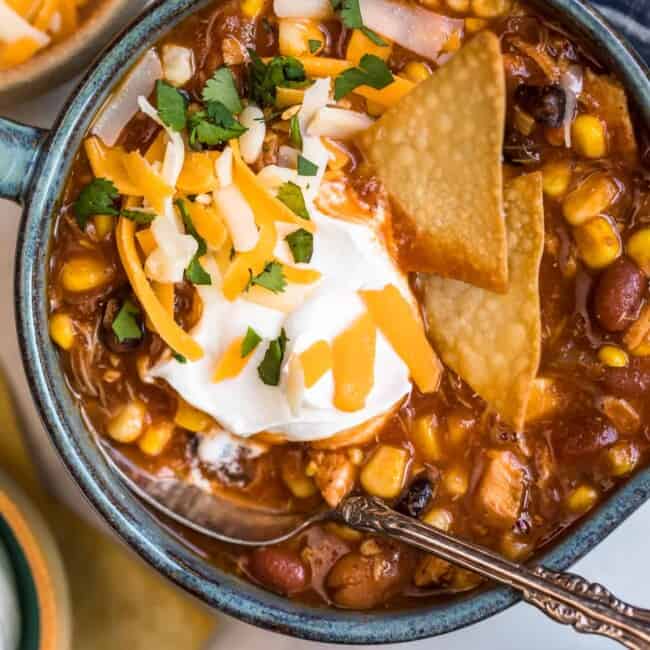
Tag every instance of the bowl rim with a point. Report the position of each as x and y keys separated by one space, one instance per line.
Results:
x=130 y=519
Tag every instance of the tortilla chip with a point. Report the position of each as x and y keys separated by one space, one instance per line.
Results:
x=438 y=153
x=493 y=341
x=604 y=96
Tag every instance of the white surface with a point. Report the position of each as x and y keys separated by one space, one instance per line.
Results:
x=620 y=562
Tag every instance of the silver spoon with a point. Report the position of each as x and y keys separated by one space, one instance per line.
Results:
x=564 y=597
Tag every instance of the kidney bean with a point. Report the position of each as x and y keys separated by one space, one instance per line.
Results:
x=618 y=295
x=583 y=435
x=279 y=569
x=633 y=381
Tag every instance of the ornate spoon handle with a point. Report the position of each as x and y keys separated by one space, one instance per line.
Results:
x=564 y=597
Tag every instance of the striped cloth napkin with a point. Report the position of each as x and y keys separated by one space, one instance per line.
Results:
x=632 y=19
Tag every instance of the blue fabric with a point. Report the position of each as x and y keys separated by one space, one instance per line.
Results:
x=632 y=18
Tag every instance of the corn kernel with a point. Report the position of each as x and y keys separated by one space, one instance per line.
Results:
x=252 y=8
x=598 y=243
x=638 y=248
x=187 y=417
x=459 y=425
x=613 y=357
x=103 y=224
x=416 y=71
x=62 y=330
x=490 y=8
x=300 y=485
x=473 y=25
x=155 y=438
x=295 y=34
x=126 y=427
x=425 y=437
x=556 y=178
x=622 y=458
x=439 y=518
x=455 y=481
x=84 y=274
x=344 y=532
x=458 y=5
x=589 y=136
x=383 y=475
x=590 y=199
x=582 y=498
x=374 y=109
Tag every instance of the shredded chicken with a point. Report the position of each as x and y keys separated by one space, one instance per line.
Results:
x=335 y=475
x=502 y=487
x=621 y=414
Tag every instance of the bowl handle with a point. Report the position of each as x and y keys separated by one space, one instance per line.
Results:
x=20 y=148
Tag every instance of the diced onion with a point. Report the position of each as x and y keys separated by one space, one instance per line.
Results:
x=317 y=96
x=223 y=167
x=572 y=82
x=175 y=152
x=173 y=255
x=239 y=218
x=317 y=9
x=273 y=176
x=415 y=28
x=313 y=150
x=339 y=123
x=252 y=142
x=178 y=64
x=123 y=104
x=13 y=27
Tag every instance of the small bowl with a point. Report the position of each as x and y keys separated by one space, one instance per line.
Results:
x=62 y=61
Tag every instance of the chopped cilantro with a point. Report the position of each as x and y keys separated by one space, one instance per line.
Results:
x=179 y=357
x=269 y=369
x=264 y=78
x=271 y=278
x=295 y=137
x=125 y=324
x=372 y=71
x=314 y=45
x=291 y=195
x=221 y=89
x=301 y=243
x=350 y=13
x=203 y=131
x=250 y=342
x=139 y=216
x=171 y=106
x=98 y=197
x=194 y=273
x=306 y=167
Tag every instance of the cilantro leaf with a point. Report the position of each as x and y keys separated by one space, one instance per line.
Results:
x=98 y=197
x=171 y=106
x=269 y=369
x=291 y=195
x=350 y=13
x=221 y=88
x=250 y=342
x=204 y=130
x=264 y=78
x=179 y=357
x=301 y=243
x=372 y=71
x=271 y=278
x=314 y=45
x=125 y=324
x=306 y=167
x=140 y=217
x=295 y=137
x=194 y=273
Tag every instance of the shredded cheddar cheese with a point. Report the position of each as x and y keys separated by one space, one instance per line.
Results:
x=232 y=362
x=316 y=361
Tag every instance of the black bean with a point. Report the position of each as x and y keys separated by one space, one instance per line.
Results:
x=519 y=149
x=416 y=498
x=546 y=104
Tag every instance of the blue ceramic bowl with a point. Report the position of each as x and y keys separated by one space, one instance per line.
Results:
x=34 y=165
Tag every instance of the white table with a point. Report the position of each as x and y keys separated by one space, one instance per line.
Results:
x=620 y=562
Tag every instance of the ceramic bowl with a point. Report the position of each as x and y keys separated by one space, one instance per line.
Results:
x=34 y=165
x=64 y=60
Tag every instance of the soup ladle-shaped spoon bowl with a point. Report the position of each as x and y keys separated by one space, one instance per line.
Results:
x=565 y=597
